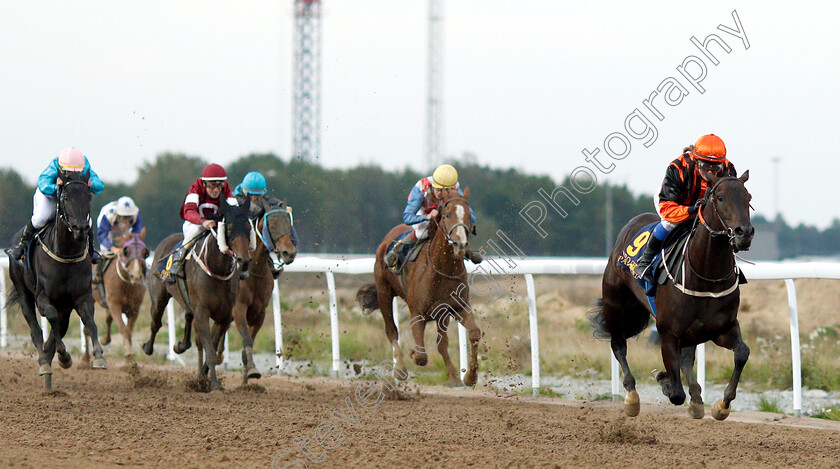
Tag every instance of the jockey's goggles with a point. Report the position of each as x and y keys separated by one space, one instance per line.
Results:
x=707 y=166
x=214 y=184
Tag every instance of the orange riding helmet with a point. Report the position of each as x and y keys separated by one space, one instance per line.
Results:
x=709 y=148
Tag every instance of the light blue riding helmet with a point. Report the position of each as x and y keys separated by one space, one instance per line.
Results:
x=253 y=183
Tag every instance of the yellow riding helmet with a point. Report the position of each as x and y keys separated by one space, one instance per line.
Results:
x=445 y=176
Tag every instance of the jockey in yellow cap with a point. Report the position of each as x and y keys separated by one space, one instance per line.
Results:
x=422 y=207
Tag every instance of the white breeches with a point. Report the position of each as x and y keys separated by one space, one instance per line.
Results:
x=191 y=231
x=665 y=223
x=43 y=209
x=421 y=230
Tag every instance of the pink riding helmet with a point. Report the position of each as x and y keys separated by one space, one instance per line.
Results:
x=71 y=159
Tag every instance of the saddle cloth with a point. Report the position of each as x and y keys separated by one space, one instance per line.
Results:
x=673 y=248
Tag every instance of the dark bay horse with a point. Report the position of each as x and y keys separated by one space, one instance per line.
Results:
x=434 y=286
x=703 y=307
x=274 y=229
x=213 y=270
x=125 y=285
x=60 y=281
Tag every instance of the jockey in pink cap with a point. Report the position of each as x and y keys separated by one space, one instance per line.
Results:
x=68 y=160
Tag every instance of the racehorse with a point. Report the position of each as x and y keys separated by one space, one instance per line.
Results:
x=434 y=287
x=59 y=279
x=702 y=306
x=212 y=284
x=125 y=285
x=274 y=228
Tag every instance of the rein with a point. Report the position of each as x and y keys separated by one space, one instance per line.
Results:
x=265 y=234
x=203 y=263
x=62 y=217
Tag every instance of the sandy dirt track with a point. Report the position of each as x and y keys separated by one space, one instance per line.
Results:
x=149 y=417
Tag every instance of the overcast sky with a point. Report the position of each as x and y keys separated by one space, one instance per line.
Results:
x=526 y=84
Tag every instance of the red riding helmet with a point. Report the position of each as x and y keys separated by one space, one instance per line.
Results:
x=213 y=172
x=709 y=148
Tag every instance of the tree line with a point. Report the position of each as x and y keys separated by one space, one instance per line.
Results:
x=349 y=211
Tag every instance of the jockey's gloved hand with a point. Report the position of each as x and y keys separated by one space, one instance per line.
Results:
x=697 y=206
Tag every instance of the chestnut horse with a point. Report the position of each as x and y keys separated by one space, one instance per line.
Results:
x=434 y=287
x=211 y=270
x=124 y=283
x=274 y=229
x=701 y=305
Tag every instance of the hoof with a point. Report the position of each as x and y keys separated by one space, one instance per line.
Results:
x=400 y=372
x=44 y=370
x=65 y=360
x=105 y=340
x=719 y=412
x=632 y=407
x=99 y=364
x=253 y=373
x=420 y=359
x=148 y=348
x=696 y=410
x=180 y=348
x=470 y=378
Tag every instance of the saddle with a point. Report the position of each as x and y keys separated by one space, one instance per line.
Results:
x=404 y=259
x=165 y=264
x=672 y=247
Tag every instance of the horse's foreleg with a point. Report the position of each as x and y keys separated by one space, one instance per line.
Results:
x=443 y=349
x=108 y=320
x=160 y=298
x=670 y=378
x=115 y=315
x=85 y=311
x=474 y=333
x=219 y=341
x=695 y=409
x=390 y=318
x=731 y=340
x=241 y=321
x=47 y=350
x=64 y=358
x=186 y=341
x=418 y=348
x=205 y=337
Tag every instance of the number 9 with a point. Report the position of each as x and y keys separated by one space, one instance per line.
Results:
x=638 y=244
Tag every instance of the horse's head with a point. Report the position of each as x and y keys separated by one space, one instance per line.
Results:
x=277 y=233
x=73 y=205
x=455 y=220
x=133 y=256
x=236 y=234
x=728 y=210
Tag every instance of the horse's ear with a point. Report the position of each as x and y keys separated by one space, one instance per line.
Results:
x=467 y=194
x=746 y=176
x=246 y=206
x=143 y=233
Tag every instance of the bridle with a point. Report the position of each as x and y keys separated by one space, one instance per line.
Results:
x=62 y=217
x=447 y=235
x=265 y=234
x=726 y=231
x=134 y=248
x=59 y=206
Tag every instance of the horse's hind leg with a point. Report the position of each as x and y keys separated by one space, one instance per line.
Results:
x=389 y=318
x=27 y=308
x=85 y=310
x=115 y=309
x=610 y=317
x=160 y=298
x=241 y=321
x=695 y=409
x=731 y=340
x=443 y=349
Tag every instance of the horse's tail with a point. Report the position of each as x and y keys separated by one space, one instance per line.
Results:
x=596 y=320
x=634 y=319
x=12 y=298
x=368 y=298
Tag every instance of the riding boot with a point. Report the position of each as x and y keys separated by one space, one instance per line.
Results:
x=400 y=250
x=97 y=274
x=643 y=266
x=95 y=258
x=27 y=234
x=473 y=256
x=176 y=269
